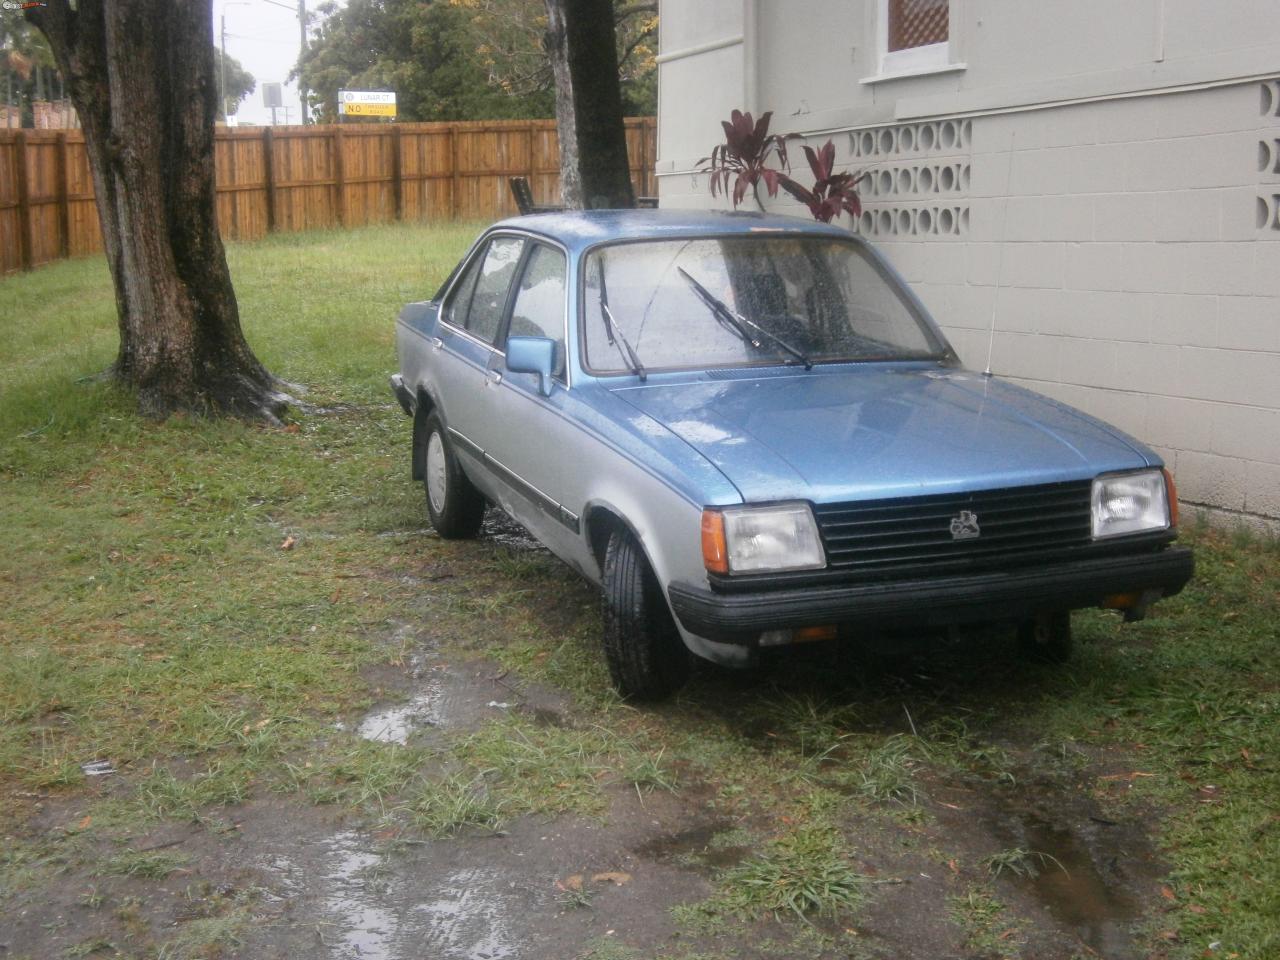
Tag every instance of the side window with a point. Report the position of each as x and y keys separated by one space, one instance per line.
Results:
x=540 y=300
x=489 y=299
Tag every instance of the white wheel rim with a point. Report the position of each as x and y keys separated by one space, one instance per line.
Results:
x=437 y=480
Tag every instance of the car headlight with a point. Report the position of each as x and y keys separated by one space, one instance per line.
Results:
x=768 y=539
x=1129 y=503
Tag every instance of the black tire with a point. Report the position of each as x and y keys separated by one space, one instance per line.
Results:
x=454 y=505
x=1047 y=637
x=646 y=657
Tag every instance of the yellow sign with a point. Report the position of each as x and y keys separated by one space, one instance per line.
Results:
x=369 y=109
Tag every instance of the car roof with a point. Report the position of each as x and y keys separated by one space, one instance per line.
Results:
x=579 y=229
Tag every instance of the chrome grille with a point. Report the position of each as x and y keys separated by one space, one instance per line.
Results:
x=875 y=535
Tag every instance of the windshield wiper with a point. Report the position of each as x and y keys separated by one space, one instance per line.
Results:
x=613 y=331
x=737 y=322
x=719 y=309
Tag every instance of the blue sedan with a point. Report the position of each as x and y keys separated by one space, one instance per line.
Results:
x=750 y=433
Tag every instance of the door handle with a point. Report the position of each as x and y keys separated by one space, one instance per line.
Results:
x=495 y=376
x=436 y=343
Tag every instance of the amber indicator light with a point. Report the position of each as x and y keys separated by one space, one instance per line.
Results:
x=715 y=556
x=805 y=634
x=1120 y=601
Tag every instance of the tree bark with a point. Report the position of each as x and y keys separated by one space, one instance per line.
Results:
x=581 y=42
x=141 y=76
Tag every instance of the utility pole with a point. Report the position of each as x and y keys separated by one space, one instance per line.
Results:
x=302 y=48
x=222 y=74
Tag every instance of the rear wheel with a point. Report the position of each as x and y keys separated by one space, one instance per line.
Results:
x=453 y=504
x=646 y=657
x=1047 y=637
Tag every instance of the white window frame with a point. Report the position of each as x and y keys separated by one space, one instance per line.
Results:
x=933 y=58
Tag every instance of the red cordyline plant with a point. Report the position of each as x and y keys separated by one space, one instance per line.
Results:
x=744 y=159
x=832 y=193
x=744 y=156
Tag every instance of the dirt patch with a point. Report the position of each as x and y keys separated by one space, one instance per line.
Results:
x=1026 y=863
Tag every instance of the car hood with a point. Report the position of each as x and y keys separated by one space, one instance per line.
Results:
x=853 y=432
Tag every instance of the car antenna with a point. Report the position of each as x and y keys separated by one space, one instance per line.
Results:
x=1004 y=220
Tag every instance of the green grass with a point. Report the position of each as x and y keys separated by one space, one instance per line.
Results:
x=447 y=806
x=151 y=616
x=1019 y=862
x=804 y=873
x=152 y=619
x=152 y=865
x=988 y=928
x=150 y=608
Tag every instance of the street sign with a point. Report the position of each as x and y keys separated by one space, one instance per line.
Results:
x=366 y=103
x=369 y=109
x=271 y=95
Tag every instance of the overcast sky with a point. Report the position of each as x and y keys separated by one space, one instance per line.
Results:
x=264 y=38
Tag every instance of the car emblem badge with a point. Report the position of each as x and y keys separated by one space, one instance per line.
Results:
x=965 y=526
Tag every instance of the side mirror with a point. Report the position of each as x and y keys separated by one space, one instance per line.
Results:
x=533 y=355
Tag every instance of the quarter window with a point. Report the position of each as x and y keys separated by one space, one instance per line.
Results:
x=457 y=309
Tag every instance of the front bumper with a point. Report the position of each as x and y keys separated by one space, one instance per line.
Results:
x=1002 y=595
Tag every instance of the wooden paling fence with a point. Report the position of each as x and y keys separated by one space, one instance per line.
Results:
x=302 y=178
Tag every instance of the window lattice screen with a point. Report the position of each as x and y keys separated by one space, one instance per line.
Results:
x=917 y=23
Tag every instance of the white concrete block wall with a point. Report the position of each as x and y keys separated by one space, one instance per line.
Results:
x=1134 y=274
x=1111 y=195
x=1135 y=278
x=1129 y=264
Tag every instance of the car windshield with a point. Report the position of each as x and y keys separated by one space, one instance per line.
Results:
x=744 y=300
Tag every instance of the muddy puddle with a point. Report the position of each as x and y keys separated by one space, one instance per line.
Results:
x=434 y=701
x=708 y=846
x=439 y=696
x=1083 y=870
x=445 y=697
x=338 y=892
x=373 y=906
x=1082 y=895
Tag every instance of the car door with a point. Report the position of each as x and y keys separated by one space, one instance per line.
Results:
x=469 y=362
x=534 y=447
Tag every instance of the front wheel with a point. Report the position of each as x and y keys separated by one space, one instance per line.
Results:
x=646 y=657
x=1047 y=637
x=455 y=507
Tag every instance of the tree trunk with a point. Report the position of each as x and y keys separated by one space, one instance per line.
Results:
x=594 y=169
x=141 y=76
